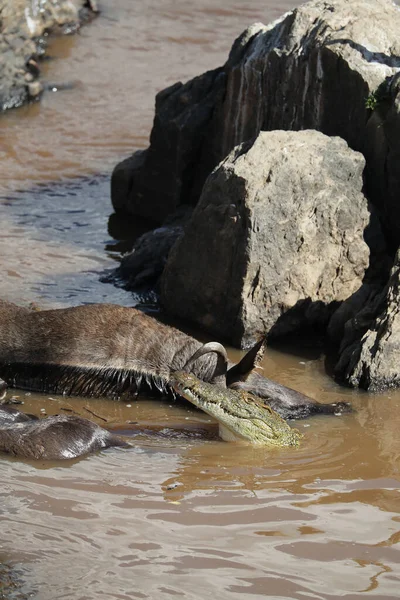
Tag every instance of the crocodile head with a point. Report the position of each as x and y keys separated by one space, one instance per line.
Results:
x=240 y=415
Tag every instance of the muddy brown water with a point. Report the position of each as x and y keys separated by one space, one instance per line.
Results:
x=181 y=514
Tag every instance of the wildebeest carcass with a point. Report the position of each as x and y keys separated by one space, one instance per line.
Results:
x=106 y=350
x=51 y=438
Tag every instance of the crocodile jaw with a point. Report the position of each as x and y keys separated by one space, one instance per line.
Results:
x=241 y=416
x=228 y=435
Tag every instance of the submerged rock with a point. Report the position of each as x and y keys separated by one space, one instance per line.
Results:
x=22 y=26
x=275 y=239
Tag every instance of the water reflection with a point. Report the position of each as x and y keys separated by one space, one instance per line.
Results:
x=318 y=521
x=240 y=515
x=53 y=244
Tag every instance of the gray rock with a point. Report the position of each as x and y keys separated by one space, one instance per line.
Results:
x=382 y=150
x=11 y=584
x=312 y=69
x=144 y=265
x=122 y=181
x=171 y=173
x=370 y=350
x=276 y=237
x=357 y=305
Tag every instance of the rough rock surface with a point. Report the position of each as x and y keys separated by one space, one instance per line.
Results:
x=357 y=305
x=373 y=363
x=314 y=68
x=276 y=237
x=22 y=25
x=10 y=584
x=144 y=265
x=154 y=183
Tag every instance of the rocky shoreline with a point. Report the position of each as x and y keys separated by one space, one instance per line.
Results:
x=25 y=25
x=293 y=228
x=10 y=586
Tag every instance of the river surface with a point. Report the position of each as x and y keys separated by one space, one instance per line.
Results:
x=181 y=514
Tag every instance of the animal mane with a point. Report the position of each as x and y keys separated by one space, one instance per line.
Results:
x=108 y=382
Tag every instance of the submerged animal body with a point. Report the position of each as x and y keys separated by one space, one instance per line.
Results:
x=107 y=350
x=240 y=415
x=51 y=438
x=9 y=416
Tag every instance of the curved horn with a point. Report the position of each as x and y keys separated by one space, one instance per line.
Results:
x=221 y=368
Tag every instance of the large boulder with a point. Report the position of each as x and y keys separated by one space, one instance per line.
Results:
x=327 y=65
x=370 y=350
x=275 y=240
x=154 y=183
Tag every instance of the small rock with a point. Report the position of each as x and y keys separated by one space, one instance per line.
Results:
x=35 y=89
x=172 y=486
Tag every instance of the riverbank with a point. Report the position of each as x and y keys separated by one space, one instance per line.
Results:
x=25 y=27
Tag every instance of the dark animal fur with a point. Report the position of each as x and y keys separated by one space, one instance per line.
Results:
x=51 y=438
x=9 y=415
x=108 y=350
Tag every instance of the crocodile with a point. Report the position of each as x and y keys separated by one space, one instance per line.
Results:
x=241 y=416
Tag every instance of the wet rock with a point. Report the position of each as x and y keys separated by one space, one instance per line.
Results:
x=144 y=265
x=122 y=181
x=10 y=584
x=276 y=238
x=22 y=27
x=370 y=350
x=382 y=151
x=35 y=88
x=358 y=304
x=317 y=67
x=173 y=169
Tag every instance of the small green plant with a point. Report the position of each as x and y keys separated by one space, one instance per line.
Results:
x=372 y=101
